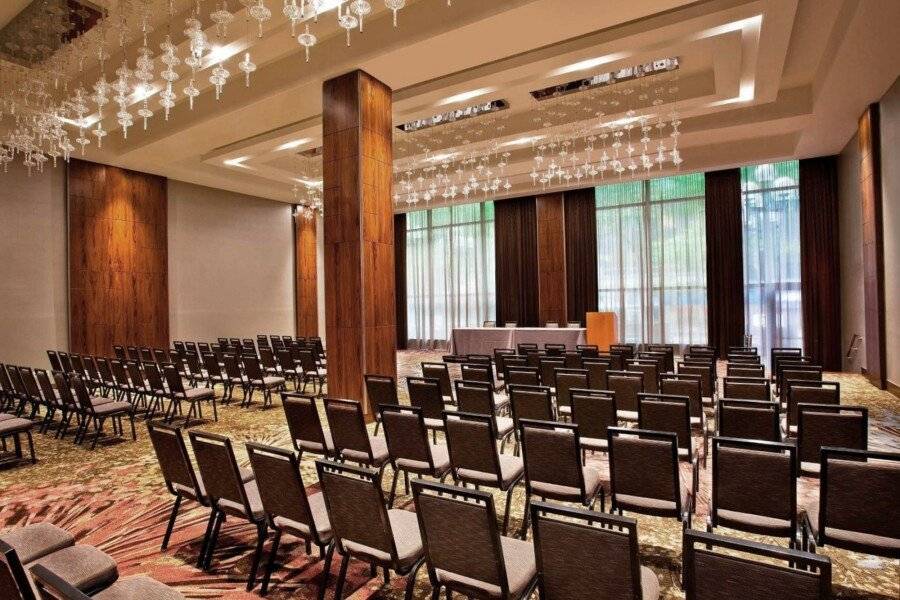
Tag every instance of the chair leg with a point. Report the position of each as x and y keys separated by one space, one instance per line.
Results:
x=527 y=517
x=206 y=538
x=99 y=425
x=342 y=576
x=213 y=538
x=31 y=447
x=262 y=530
x=509 y=494
x=171 y=525
x=393 y=488
x=270 y=564
x=326 y=571
x=410 y=579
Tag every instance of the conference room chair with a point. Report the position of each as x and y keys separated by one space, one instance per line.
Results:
x=214 y=374
x=408 y=447
x=32 y=392
x=380 y=390
x=52 y=399
x=510 y=324
x=529 y=402
x=262 y=340
x=522 y=375
x=258 y=380
x=491 y=565
x=797 y=372
x=798 y=392
x=475 y=459
x=554 y=349
x=287 y=338
x=564 y=381
x=55 y=365
x=147 y=354
x=305 y=426
x=158 y=391
x=594 y=411
x=97 y=414
x=268 y=362
x=748 y=419
x=13 y=427
x=715 y=566
x=477 y=397
x=664 y=412
x=754 y=488
x=489 y=324
x=660 y=491
x=106 y=380
x=702 y=350
x=425 y=393
x=7 y=393
x=829 y=426
x=857 y=504
x=686 y=385
x=581 y=551
x=548 y=366
x=668 y=351
x=160 y=356
x=478 y=359
x=364 y=528
x=140 y=389
x=20 y=393
x=119 y=351
x=776 y=354
x=120 y=378
x=552 y=455
x=311 y=370
x=534 y=356
x=235 y=378
x=706 y=373
x=66 y=362
x=588 y=350
x=626 y=385
x=500 y=356
x=229 y=496
x=179 y=346
x=573 y=359
x=524 y=347
x=288 y=367
x=650 y=369
x=439 y=371
x=551 y=324
x=478 y=372
x=735 y=369
x=192 y=396
x=288 y=507
x=351 y=439
x=78 y=365
x=597 y=369
x=746 y=388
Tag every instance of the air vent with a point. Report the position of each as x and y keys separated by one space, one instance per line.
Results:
x=663 y=65
x=453 y=116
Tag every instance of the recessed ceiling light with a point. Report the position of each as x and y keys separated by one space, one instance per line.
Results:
x=455 y=115
x=237 y=162
x=590 y=63
x=462 y=97
x=293 y=144
x=655 y=67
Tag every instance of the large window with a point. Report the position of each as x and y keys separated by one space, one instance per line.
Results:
x=651 y=254
x=449 y=271
x=771 y=211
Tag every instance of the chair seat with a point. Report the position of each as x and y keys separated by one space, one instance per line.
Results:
x=521 y=569
x=6 y=417
x=83 y=567
x=760 y=524
x=319 y=515
x=15 y=425
x=655 y=506
x=112 y=408
x=439 y=456
x=566 y=493
x=649 y=585
x=588 y=443
x=407 y=539
x=138 y=586
x=99 y=400
x=268 y=381
x=34 y=541
x=868 y=543
x=237 y=509
x=311 y=446
x=379 y=452
x=511 y=469
x=434 y=424
x=187 y=491
x=200 y=393
x=504 y=425
x=627 y=415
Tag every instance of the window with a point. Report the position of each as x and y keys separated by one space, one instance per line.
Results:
x=449 y=271
x=771 y=212
x=651 y=254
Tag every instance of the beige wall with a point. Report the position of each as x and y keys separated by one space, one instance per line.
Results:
x=33 y=288
x=853 y=318
x=890 y=189
x=231 y=264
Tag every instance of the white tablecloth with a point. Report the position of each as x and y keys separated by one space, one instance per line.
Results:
x=483 y=340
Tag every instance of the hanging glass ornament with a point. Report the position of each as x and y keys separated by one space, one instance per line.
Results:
x=247 y=67
x=262 y=14
x=307 y=40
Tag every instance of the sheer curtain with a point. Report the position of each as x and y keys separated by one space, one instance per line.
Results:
x=651 y=257
x=772 y=297
x=449 y=271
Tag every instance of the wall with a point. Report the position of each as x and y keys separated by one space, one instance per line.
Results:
x=33 y=288
x=890 y=193
x=853 y=320
x=231 y=270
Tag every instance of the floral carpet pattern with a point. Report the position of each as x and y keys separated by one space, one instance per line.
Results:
x=114 y=498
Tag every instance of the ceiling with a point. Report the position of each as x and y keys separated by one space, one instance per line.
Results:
x=758 y=80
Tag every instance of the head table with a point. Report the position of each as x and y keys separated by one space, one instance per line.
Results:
x=483 y=340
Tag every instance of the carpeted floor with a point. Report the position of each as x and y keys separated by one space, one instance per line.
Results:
x=114 y=498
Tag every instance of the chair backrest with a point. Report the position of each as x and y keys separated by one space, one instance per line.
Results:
x=280 y=484
x=626 y=351
x=580 y=551
x=663 y=412
x=173 y=378
x=530 y=402
x=597 y=369
x=554 y=349
x=119 y=374
x=440 y=372
x=567 y=379
x=791 y=372
x=746 y=388
x=683 y=385
x=252 y=368
x=551 y=453
x=836 y=426
x=858 y=493
x=267 y=358
x=809 y=392
x=748 y=419
x=778 y=354
x=46 y=386
x=78 y=365
x=500 y=356
x=460 y=534
x=405 y=434
x=82 y=394
x=220 y=473
x=66 y=361
x=707 y=380
x=356 y=507
x=31 y=385
x=754 y=477
x=119 y=351
x=668 y=351
x=477 y=372
x=533 y=357
x=744 y=370
x=644 y=464
x=160 y=355
x=65 y=391
x=348 y=429
x=14 y=583
x=232 y=367
x=308 y=361
x=54 y=361
x=285 y=359
x=626 y=385
x=174 y=461
x=211 y=364
x=475 y=397
x=548 y=368
x=573 y=359
x=426 y=393
x=588 y=350
x=650 y=369
x=593 y=411
x=750 y=570
x=304 y=424
x=135 y=373
x=524 y=347
x=470 y=442
x=380 y=390
x=18 y=383
x=522 y=375
x=154 y=378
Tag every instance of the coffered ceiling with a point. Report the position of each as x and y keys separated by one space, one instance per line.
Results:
x=757 y=80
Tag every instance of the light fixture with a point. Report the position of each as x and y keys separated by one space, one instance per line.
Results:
x=293 y=144
x=462 y=97
x=237 y=162
x=591 y=63
x=655 y=67
x=528 y=139
x=455 y=115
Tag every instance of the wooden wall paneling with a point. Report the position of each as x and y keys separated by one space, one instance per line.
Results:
x=551 y=258
x=873 y=245
x=360 y=305
x=307 y=303
x=118 y=264
x=581 y=253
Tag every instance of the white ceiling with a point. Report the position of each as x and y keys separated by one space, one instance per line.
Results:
x=759 y=80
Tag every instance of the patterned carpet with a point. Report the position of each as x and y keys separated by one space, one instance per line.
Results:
x=114 y=498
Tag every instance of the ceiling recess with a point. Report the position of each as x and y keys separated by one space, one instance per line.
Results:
x=662 y=65
x=482 y=108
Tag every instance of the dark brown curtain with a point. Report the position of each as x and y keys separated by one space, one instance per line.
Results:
x=400 y=278
x=515 y=241
x=581 y=253
x=819 y=261
x=724 y=259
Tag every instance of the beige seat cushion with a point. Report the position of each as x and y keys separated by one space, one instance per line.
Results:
x=310 y=446
x=521 y=569
x=504 y=425
x=567 y=493
x=112 y=408
x=237 y=508
x=627 y=415
x=853 y=540
x=6 y=417
x=594 y=443
x=439 y=456
x=754 y=523
x=199 y=393
x=34 y=541
x=407 y=539
x=81 y=566
x=269 y=381
x=511 y=468
x=138 y=587
x=649 y=585
x=319 y=515
x=379 y=452
x=15 y=425
x=655 y=506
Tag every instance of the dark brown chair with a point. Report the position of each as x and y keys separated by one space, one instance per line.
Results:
x=364 y=528
x=807 y=392
x=529 y=402
x=706 y=373
x=748 y=419
x=516 y=375
x=597 y=369
x=440 y=372
x=565 y=380
x=717 y=567
x=594 y=411
x=307 y=434
x=258 y=380
x=626 y=385
x=464 y=551
x=52 y=585
x=97 y=413
x=687 y=385
x=651 y=371
x=645 y=476
x=857 y=508
x=235 y=378
x=668 y=352
x=736 y=369
x=754 y=488
x=548 y=367
x=524 y=347
x=289 y=367
x=351 y=439
x=580 y=552
x=193 y=396
x=288 y=507
x=588 y=350
x=477 y=372
x=477 y=397
x=500 y=356
x=426 y=393
x=311 y=370
x=788 y=371
x=746 y=388
x=15 y=427
x=835 y=426
x=663 y=412
x=380 y=390
x=408 y=447
x=474 y=458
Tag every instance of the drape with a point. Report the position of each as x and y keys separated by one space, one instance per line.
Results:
x=819 y=261
x=581 y=253
x=724 y=259
x=516 y=261
x=400 y=279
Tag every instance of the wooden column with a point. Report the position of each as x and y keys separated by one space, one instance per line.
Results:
x=307 y=305
x=551 y=253
x=359 y=233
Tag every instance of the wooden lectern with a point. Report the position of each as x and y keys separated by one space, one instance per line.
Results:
x=601 y=329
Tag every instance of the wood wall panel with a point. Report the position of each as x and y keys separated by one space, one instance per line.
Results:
x=307 y=303
x=551 y=257
x=873 y=245
x=359 y=233
x=118 y=264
